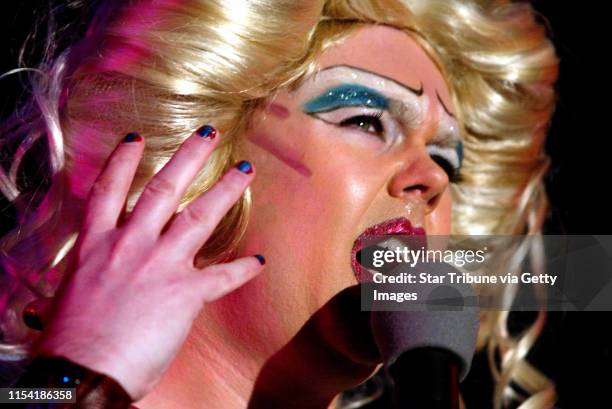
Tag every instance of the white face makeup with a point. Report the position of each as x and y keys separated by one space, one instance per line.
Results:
x=352 y=97
x=447 y=142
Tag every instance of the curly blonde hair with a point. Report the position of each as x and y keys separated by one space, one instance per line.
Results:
x=164 y=67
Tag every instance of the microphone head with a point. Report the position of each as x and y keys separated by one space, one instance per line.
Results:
x=445 y=317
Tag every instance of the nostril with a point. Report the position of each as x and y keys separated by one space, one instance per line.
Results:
x=420 y=188
x=433 y=202
x=426 y=193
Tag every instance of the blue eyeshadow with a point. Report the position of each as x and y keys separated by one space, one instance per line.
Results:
x=346 y=95
x=459 y=149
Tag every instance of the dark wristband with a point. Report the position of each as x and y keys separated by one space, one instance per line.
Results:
x=93 y=390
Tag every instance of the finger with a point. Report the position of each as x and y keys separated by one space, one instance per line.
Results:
x=36 y=313
x=195 y=223
x=164 y=191
x=109 y=191
x=220 y=279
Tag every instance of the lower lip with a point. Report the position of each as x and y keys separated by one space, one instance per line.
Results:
x=396 y=227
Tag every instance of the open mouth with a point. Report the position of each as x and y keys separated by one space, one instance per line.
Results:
x=375 y=236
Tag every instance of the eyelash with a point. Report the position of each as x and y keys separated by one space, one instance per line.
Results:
x=454 y=175
x=380 y=131
x=375 y=117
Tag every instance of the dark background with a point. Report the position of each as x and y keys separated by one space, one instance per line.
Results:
x=575 y=349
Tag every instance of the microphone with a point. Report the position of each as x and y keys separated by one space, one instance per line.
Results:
x=428 y=349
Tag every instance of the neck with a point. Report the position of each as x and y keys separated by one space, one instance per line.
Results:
x=220 y=367
x=209 y=372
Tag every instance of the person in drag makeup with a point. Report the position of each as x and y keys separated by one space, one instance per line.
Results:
x=213 y=163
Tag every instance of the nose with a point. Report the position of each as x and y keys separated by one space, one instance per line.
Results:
x=419 y=178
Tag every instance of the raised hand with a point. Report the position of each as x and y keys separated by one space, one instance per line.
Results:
x=127 y=303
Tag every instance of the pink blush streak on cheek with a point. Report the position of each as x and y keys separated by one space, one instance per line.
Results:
x=278 y=110
x=283 y=154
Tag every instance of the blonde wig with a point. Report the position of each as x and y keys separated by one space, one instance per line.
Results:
x=164 y=67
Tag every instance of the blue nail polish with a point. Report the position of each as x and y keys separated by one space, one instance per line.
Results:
x=132 y=137
x=260 y=258
x=245 y=167
x=207 y=132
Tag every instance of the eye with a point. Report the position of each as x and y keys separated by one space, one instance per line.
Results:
x=453 y=174
x=365 y=123
x=448 y=160
x=370 y=123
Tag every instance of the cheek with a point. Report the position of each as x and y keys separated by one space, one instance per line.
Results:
x=309 y=171
x=319 y=185
x=438 y=222
x=347 y=176
x=311 y=192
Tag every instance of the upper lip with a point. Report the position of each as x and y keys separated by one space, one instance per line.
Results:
x=399 y=226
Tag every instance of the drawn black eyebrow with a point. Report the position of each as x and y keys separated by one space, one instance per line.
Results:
x=417 y=92
x=444 y=106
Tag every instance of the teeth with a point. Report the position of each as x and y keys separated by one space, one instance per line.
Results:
x=392 y=244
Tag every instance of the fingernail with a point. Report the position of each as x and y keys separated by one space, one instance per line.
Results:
x=245 y=166
x=260 y=258
x=31 y=319
x=132 y=137
x=207 y=132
